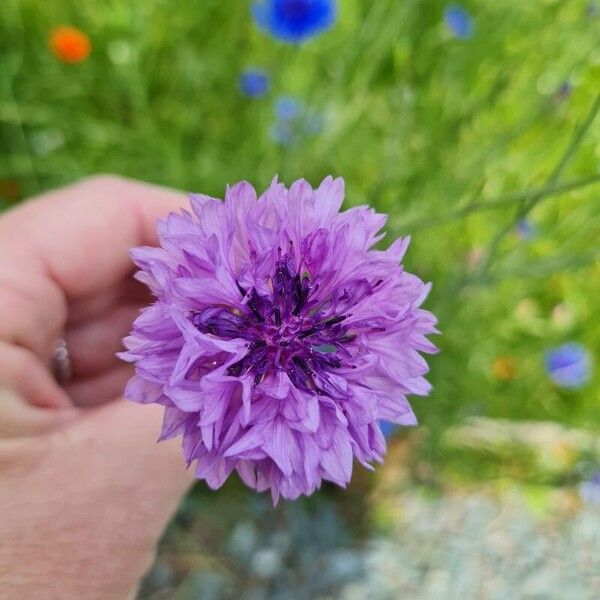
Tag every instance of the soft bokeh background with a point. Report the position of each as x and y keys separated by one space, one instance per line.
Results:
x=482 y=143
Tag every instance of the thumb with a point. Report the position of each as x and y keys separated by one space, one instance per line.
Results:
x=119 y=440
x=108 y=491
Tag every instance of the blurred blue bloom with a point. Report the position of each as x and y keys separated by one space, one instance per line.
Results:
x=388 y=429
x=592 y=9
x=294 y=20
x=525 y=229
x=254 y=83
x=459 y=21
x=288 y=108
x=569 y=365
x=294 y=120
x=282 y=133
x=589 y=490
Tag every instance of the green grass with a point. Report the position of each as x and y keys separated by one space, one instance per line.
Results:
x=455 y=139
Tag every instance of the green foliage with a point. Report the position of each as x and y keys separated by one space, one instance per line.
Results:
x=420 y=124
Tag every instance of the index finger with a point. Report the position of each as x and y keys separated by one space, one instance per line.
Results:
x=69 y=244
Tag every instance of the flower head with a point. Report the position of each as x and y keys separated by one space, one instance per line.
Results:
x=459 y=21
x=388 y=429
x=279 y=337
x=294 y=20
x=294 y=120
x=70 y=45
x=288 y=108
x=592 y=9
x=254 y=83
x=525 y=229
x=569 y=365
x=504 y=368
x=589 y=490
x=288 y=111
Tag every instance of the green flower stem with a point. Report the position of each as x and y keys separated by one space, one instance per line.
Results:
x=540 y=193
x=529 y=202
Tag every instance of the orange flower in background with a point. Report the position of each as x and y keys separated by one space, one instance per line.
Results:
x=504 y=368
x=70 y=44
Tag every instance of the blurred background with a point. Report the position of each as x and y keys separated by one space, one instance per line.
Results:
x=474 y=126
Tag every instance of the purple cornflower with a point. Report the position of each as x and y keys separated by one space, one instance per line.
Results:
x=279 y=338
x=569 y=365
x=294 y=20
x=254 y=83
x=459 y=21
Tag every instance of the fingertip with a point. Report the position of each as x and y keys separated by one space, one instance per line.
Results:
x=23 y=372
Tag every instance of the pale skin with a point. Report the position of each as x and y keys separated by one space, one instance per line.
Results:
x=85 y=490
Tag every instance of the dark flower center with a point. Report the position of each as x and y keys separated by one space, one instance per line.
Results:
x=288 y=329
x=295 y=9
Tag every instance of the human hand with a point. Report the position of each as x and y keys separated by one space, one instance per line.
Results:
x=85 y=492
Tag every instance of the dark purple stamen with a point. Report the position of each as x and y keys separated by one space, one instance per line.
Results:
x=302 y=292
x=322 y=325
x=301 y=375
x=335 y=320
x=258 y=305
x=286 y=332
x=257 y=354
x=219 y=321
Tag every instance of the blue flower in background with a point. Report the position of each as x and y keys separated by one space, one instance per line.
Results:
x=592 y=9
x=288 y=108
x=294 y=20
x=294 y=120
x=388 y=429
x=569 y=365
x=589 y=490
x=288 y=111
x=254 y=83
x=459 y=21
x=525 y=229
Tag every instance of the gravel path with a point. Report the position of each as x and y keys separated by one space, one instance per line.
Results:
x=459 y=547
